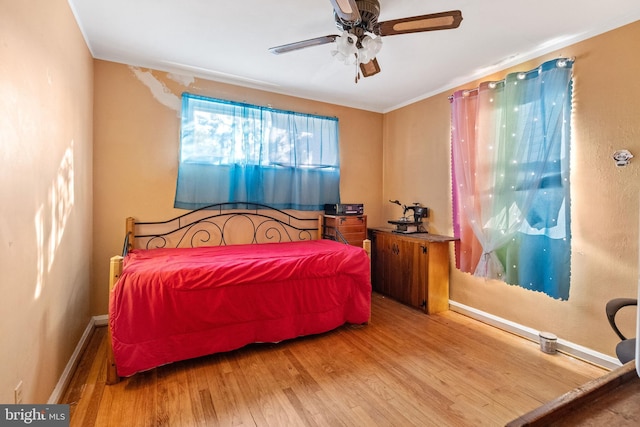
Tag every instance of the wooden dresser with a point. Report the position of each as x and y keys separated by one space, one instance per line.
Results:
x=411 y=268
x=351 y=228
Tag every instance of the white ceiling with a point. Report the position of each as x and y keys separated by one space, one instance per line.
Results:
x=227 y=41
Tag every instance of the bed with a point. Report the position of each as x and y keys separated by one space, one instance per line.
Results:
x=222 y=277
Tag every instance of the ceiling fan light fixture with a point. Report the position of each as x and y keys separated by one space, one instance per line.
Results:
x=346 y=49
x=372 y=44
x=352 y=50
x=370 y=48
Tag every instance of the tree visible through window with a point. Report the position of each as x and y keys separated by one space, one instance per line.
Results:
x=510 y=174
x=235 y=152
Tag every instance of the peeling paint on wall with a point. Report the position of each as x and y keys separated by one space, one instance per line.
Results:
x=185 y=81
x=158 y=89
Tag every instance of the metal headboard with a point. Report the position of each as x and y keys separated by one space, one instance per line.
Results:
x=211 y=224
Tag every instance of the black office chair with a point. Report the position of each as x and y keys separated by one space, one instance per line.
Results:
x=626 y=349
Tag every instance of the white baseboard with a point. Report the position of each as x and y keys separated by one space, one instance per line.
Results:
x=563 y=346
x=65 y=378
x=102 y=320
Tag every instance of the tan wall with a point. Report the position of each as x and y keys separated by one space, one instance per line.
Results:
x=46 y=183
x=417 y=163
x=604 y=197
x=136 y=134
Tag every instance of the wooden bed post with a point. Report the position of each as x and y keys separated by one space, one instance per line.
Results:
x=366 y=245
x=320 y=226
x=130 y=228
x=115 y=269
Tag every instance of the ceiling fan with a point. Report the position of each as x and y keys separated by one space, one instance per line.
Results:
x=358 y=19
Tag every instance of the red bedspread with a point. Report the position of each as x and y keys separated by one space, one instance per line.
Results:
x=176 y=304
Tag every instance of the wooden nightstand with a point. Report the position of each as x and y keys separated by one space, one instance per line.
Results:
x=351 y=229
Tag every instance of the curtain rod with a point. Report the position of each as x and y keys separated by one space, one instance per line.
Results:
x=560 y=63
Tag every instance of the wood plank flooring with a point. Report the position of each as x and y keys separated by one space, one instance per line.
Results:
x=404 y=368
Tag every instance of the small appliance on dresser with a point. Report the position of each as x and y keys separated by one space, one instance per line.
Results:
x=410 y=224
x=344 y=209
x=345 y=223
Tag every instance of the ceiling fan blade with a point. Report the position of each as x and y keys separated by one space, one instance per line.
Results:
x=347 y=10
x=370 y=68
x=416 y=24
x=303 y=44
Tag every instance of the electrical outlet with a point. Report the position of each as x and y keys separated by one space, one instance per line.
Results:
x=17 y=394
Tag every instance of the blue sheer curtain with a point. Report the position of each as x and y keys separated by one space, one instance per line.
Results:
x=510 y=155
x=235 y=152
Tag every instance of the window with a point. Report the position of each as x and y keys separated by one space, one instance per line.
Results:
x=510 y=174
x=234 y=152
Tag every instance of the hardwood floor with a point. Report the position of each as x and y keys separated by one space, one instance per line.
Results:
x=404 y=368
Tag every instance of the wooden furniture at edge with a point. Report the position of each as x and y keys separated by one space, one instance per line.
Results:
x=610 y=400
x=352 y=227
x=411 y=268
